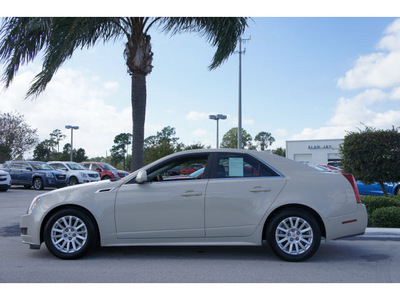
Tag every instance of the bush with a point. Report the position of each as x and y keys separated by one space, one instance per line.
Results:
x=374 y=203
x=386 y=217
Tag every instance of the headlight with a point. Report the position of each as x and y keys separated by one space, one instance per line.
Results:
x=49 y=175
x=33 y=203
x=83 y=175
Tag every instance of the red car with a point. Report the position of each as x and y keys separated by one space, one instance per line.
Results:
x=106 y=171
x=192 y=168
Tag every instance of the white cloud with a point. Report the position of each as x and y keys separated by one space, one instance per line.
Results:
x=111 y=85
x=379 y=69
x=350 y=112
x=200 y=132
x=372 y=106
x=70 y=98
x=281 y=132
x=196 y=116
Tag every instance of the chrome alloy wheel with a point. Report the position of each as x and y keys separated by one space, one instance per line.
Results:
x=69 y=234
x=294 y=235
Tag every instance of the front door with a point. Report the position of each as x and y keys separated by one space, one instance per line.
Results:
x=165 y=206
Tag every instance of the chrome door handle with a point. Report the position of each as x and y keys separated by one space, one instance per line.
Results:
x=259 y=189
x=191 y=193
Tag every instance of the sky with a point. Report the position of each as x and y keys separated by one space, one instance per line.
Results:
x=302 y=78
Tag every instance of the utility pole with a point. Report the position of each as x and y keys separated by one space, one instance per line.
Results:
x=240 y=90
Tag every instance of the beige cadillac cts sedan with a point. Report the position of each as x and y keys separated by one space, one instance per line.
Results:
x=240 y=198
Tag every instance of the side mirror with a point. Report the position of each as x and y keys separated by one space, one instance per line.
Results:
x=141 y=176
x=28 y=168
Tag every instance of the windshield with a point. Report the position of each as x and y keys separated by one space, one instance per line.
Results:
x=41 y=166
x=107 y=167
x=75 y=166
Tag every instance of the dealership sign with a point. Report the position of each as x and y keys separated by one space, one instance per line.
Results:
x=320 y=147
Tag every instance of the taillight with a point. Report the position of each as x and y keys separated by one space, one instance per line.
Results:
x=353 y=183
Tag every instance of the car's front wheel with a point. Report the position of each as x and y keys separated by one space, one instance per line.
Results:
x=38 y=183
x=70 y=234
x=73 y=181
x=294 y=235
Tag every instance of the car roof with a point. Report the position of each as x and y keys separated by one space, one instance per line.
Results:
x=281 y=164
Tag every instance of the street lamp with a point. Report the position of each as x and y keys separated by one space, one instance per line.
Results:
x=217 y=118
x=72 y=135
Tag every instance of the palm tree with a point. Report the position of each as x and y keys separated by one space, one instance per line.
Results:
x=21 y=39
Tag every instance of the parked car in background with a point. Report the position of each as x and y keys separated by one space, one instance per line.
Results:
x=105 y=170
x=35 y=173
x=76 y=172
x=192 y=168
x=260 y=197
x=195 y=175
x=5 y=181
x=376 y=190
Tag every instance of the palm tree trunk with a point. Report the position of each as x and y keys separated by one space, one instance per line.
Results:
x=138 y=119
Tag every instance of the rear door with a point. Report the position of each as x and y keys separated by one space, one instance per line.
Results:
x=239 y=193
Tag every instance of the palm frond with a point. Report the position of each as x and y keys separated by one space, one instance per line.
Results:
x=23 y=38
x=222 y=33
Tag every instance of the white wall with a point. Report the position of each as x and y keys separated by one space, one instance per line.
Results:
x=317 y=152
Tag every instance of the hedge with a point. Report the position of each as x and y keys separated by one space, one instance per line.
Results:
x=385 y=207
x=386 y=217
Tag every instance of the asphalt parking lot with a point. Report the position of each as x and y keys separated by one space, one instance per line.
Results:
x=372 y=258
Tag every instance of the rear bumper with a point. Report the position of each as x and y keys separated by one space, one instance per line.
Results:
x=347 y=225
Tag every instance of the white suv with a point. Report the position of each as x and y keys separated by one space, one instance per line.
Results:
x=5 y=181
x=76 y=172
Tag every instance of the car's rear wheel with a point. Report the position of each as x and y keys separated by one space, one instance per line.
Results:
x=38 y=183
x=70 y=234
x=294 y=235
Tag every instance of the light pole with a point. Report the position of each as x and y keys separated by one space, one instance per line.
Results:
x=72 y=136
x=240 y=90
x=217 y=118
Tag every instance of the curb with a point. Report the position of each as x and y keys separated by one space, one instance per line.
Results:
x=382 y=234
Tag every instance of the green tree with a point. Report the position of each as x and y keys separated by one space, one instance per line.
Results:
x=161 y=144
x=119 y=150
x=78 y=155
x=57 y=137
x=57 y=38
x=279 y=151
x=372 y=155
x=43 y=150
x=230 y=139
x=16 y=136
x=197 y=145
x=265 y=139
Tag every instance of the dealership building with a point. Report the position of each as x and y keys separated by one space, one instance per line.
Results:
x=318 y=152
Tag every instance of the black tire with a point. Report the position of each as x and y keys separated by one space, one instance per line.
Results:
x=294 y=235
x=78 y=232
x=106 y=177
x=73 y=180
x=397 y=191
x=38 y=183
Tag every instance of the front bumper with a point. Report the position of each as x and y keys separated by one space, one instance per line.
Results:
x=4 y=186
x=52 y=182
x=30 y=230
